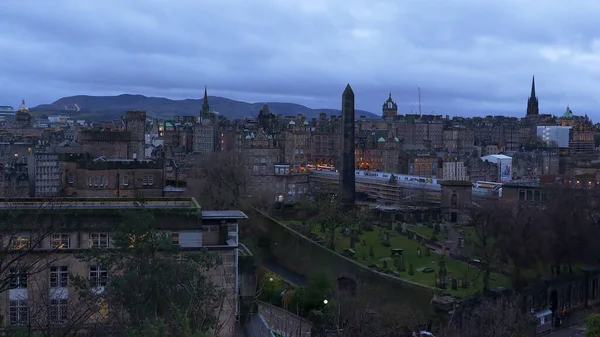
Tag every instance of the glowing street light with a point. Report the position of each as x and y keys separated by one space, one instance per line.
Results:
x=325 y=302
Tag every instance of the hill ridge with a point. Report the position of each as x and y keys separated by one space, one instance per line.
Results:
x=101 y=107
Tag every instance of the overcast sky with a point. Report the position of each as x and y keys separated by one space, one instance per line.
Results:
x=470 y=57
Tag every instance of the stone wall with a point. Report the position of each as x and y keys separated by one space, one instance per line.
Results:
x=299 y=254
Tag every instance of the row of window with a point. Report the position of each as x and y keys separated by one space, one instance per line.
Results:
x=102 y=181
x=96 y=240
x=59 y=278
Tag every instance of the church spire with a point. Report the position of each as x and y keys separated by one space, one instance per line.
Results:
x=205 y=106
x=532 y=101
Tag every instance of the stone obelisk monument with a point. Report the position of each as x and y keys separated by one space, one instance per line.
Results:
x=347 y=176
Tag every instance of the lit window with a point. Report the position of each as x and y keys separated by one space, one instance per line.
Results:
x=20 y=242
x=60 y=240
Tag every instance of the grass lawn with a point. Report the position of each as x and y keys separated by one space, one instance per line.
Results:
x=457 y=268
x=422 y=230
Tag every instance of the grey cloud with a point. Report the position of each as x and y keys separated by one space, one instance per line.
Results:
x=470 y=57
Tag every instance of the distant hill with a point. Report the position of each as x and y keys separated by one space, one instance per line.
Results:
x=103 y=107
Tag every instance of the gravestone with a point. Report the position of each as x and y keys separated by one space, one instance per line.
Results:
x=390 y=225
x=418 y=251
x=386 y=236
x=381 y=234
x=411 y=269
x=394 y=233
x=396 y=252
x=385 y=266
x=364 y=257
x=364 y=243
x=453 y=284
x=401 y=263
x=345 y=231
x=352 y=242
x=371 y=253
x=403 y=226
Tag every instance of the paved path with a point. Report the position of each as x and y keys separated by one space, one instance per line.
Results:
x=288 y=275
x=574 y=331
x=284 y=321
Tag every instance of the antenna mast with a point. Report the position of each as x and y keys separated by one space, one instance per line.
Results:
x=420 y=114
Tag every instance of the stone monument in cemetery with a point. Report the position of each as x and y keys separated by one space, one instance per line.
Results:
x=456 y=198
x=347 y=177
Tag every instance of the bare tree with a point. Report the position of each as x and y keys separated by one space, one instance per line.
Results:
x=491 y=317
x=219 y=181
x=25 y=231
x=45 y=309
x=330 y=214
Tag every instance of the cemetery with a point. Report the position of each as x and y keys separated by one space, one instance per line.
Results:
x=395 y=249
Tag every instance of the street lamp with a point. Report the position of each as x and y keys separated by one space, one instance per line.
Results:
x=325 y=302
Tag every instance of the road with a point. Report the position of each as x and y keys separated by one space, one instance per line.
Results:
x=574 y=331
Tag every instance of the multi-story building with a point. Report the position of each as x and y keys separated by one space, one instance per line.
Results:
x=47 y=297
x=14 y=179
x=84 y=176
x=453 y=168
x=459 y=140
x=44 y=174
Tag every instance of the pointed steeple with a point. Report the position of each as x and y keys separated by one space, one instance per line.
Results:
x=205 y=106
x=532 y=101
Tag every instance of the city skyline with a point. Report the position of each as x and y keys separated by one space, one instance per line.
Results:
x=306 y=52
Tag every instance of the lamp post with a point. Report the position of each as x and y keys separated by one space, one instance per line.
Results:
x=325 y=301
x=270 y=290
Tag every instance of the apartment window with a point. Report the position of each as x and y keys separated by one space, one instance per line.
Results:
x=98 y=276
x=522 y=195
x=18 y=278
x=144 y=180
x=175 y=238
x=60 y=240
x=90 y=181
x=20 y=242
x=99 y=240
x=95 y=181
x=125 y=180
x=59 y=277
x=18 y=312
x=150 y=180
x=58 y=311
x=70 y=178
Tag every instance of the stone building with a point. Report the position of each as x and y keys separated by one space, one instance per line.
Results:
x=84 y=176
x=99 y=142
x=92 y=223
x=325 y=140
x=459 y=140
x=206 y=129
x=14 y=179
x=44 y=174
x=135 y=124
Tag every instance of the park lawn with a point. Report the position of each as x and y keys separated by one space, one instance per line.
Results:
x=457 y=268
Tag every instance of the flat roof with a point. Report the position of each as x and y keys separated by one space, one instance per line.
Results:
x=98 y=203
x=227 y=214
x=497 y=156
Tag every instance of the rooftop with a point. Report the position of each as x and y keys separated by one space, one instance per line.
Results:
x=227 y=214
x=99 y=203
